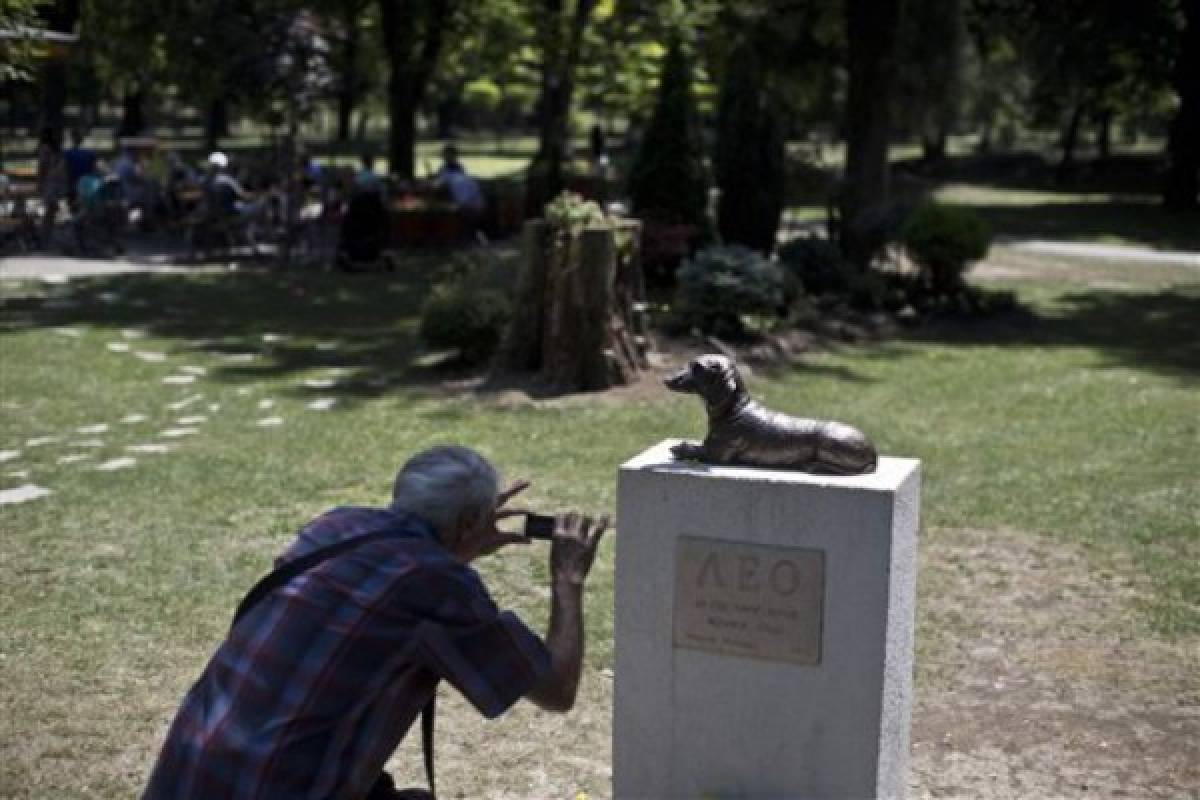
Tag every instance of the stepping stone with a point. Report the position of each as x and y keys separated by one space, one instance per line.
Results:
x=269 y=422
x=88 y=443
x=18 y=473
x=175 y=433
x=22 y=494
x=193 y=420
x=327 y=346
x=152 y=357
x=179 y=405
x=148 y=448
x=263 y=405
x=130 y=419
x=322 y=403
x=273 y=337
x=99 y=428
x=55 y=280
x=214 y=408
x=194 y=370
x=9 y=455
x=74 y=333
x=124 y=462
x=118 y=347
x=177 y=380
x=320 y=383
x=40 y=440
x=240 y=358
x=243 y=390
x=71 y=458
x=133 y=333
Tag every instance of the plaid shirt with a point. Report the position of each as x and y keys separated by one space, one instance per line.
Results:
x=314 y=688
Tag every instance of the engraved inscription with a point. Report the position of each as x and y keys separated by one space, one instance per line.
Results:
x=750 y=600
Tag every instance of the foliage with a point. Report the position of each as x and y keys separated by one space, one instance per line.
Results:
x=18 y=54
x=943 y=241
x=815 y=264
x=929 y=70
x=569 y=213
x=721 y=283
x=463 y=313
x=668 y=182
x=749 y=159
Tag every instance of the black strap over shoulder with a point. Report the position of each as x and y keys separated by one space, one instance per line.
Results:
x=278 y=577
x=296 y=566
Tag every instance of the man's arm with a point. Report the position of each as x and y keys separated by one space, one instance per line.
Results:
x=572 y=551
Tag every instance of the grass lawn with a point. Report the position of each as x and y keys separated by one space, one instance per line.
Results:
x=1074 y=422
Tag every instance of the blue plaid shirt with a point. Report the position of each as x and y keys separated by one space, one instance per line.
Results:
x=314 y=688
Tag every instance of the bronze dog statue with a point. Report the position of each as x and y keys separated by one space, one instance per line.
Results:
x=743 y=432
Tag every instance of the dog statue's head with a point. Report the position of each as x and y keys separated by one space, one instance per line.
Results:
x=715 y=378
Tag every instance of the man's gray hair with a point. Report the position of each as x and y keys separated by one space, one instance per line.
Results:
x=442 y=483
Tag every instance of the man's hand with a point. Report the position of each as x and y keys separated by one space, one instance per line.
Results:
x=484 y=537
x=573 y=547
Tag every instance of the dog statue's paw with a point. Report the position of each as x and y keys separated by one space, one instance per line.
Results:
x=688 y=451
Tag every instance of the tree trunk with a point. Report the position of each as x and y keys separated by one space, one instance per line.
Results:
x=413 y=33
x=575 y=308
x=402 y=127
x=348 y=88
x=933 y=145
x=1066 y=166
x=522 y=348
x=60 y=17
x=559 y=59
x=1104 y=135
x=216 y=123
x=871 y=33
x=1183 y=146
x=133 y=112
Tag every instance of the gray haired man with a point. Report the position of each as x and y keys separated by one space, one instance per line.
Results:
x=317 y=683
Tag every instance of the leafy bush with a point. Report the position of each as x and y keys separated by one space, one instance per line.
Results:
x=943 y=241
x=720 y=283
x=816 y=264
x=465 y=316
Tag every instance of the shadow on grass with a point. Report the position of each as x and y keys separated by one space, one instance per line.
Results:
x=1141 y=223
x=256 y=326
x=1154 y=331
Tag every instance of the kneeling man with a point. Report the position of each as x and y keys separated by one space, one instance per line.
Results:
x=316 y=683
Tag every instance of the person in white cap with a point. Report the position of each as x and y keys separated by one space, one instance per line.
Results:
x=227 y=192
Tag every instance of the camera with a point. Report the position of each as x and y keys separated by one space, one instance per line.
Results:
x=539 y=526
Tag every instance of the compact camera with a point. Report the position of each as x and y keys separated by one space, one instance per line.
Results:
x=539 y=526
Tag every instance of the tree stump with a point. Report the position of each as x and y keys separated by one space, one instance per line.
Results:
x=573 y=320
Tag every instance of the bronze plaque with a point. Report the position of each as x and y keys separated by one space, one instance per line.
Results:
x=749 y=600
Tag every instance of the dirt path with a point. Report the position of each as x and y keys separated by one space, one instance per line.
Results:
x=1035 y=679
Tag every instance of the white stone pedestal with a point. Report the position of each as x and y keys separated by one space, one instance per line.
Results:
x=764 y=630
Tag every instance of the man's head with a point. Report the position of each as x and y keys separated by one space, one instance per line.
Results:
x=452 y=488
x=218 y=162
x=450 y=157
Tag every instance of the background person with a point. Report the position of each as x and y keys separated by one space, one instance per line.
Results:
x=317 y=684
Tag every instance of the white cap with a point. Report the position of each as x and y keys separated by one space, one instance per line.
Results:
x=218 y=160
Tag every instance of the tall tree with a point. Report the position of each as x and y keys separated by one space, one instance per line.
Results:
x=59 y=16
x=749 y=158
x=1183 y=147
x=871 y=42
x=413 y=34
x=560 y=27
x=929 y=71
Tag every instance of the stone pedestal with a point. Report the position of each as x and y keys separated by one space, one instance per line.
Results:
x=764 y=630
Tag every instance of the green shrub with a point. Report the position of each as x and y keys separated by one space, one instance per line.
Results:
x=943 y=241
x=816 y=264
x=719 y=284
x=467 y=317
